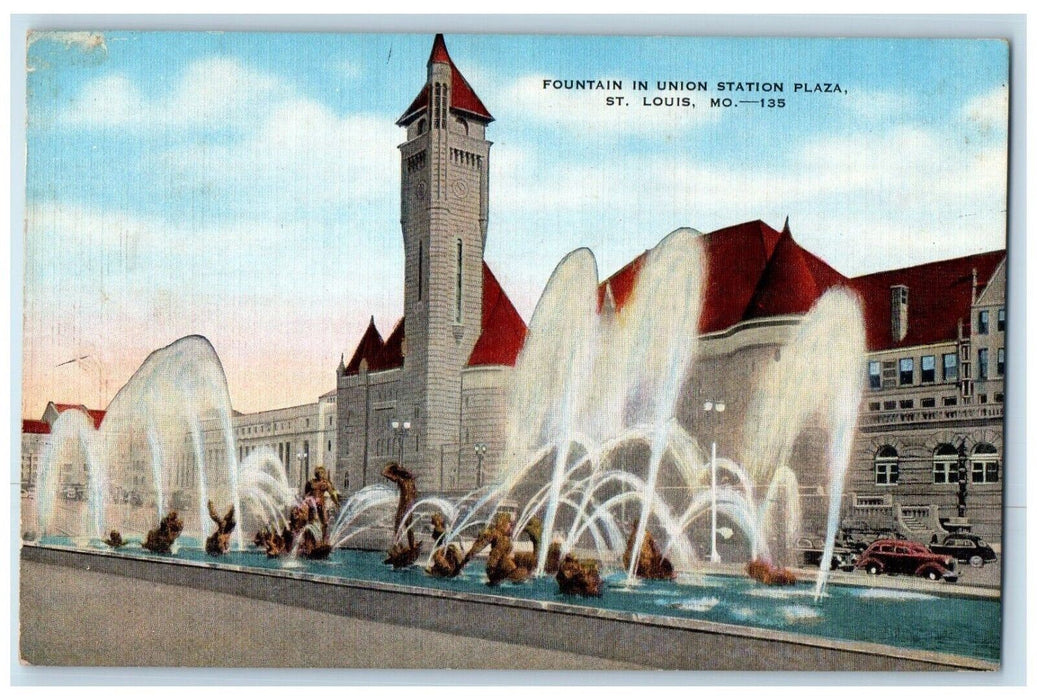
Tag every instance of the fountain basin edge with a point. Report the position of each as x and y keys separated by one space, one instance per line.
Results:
x=650 y=640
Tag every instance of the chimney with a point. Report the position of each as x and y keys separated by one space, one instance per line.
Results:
x=898 y=311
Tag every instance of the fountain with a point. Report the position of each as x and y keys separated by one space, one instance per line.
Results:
x=605 y=473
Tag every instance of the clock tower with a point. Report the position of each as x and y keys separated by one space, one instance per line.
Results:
x=444 y=168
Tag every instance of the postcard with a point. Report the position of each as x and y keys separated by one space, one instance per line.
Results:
x=513 y=351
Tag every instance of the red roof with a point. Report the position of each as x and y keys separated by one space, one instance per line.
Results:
x=462 y=96
x=939 y=294
x=96 y=415
x=503 y=330
x=391 y=354
x=792 y=281
x=367 y=349
x=739 y=255
x=37 y=427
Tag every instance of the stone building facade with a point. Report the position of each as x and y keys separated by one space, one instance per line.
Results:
x=936 y=385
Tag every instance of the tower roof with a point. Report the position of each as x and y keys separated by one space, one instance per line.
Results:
x=462 y=96
x=367 y=349
x=792 y=281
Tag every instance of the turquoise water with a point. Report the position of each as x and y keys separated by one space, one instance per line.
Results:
x=907 y=619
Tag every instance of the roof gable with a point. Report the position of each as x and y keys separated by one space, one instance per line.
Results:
x=367 y=349
x=391 y=354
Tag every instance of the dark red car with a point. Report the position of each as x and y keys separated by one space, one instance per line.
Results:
x=905 y=557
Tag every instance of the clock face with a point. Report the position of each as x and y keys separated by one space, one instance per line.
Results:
x=460 y=189
x=420 y=188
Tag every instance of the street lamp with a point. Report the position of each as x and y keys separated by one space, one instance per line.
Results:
x=302 y=456
x=714 y=408
x=400 y=430
x=963 y=478
x=480 y=452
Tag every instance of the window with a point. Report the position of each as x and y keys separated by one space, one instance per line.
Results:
x=875 y=374
x=983 y=323
x=950 y=400
x=984 y=361
x=907 y=403
x=945 y=464
x=421 y=267
x=887 y=466
x=984 y=464
x=950 y=367
x=928 y=368
x=929 y=403
x=1001 y=319
x=907 y=370
x=999 y=398
x=1000 y=362
x=982 y=398
x=457 y=290
x=874 y=406
x=889 y=405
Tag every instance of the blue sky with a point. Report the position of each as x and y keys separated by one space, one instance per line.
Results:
x=246 y=186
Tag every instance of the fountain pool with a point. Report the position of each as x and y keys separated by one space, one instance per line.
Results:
x=898 y=618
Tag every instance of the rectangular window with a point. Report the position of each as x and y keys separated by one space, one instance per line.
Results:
x=929 y=403
x=457 y=309
x=889 y=405
x=1001 y=319
x=875 y=374
x=421 y=267
x=928 y=368
x=874 y=406
x=999 y=398
x=907 y=403
x=950 y=400
x=1000 y=362
x=983 y=323
x=984 y=358
x=984 y=472
x=887 y=473
x=907 y=370
x=944 y=472
x=950 y=367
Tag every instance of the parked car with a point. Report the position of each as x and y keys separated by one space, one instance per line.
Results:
x=811 y=549
x=889 y=556
x=965 y=547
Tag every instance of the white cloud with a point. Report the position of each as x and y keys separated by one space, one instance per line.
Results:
x=212 y=93
x=988 y=112
x=873 y=105
x=300 y=159
x=869 y=201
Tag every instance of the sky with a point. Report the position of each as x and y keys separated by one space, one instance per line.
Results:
x=245 y=186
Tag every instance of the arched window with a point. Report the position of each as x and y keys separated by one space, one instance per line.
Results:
x=985 y=464
x=887 y=466
x=463 y=124
x=422 y=126
x=945 y=464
